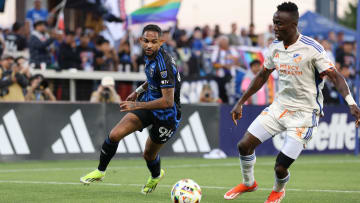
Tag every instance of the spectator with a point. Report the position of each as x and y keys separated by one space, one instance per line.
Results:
x=259 y=98
x=233 y=38
x=269 y=34
x=169 y=44
x=346 y=57
x=68 y=58
x=217 y=32
x=184 y=52
x=38 y=14
x=99 y=62
x=197 y=49
x=15 y=42
x=111 y=58
x=85 y=53
x=39 y=90
x=39 y=45
x=207 y=95
x=225 y=60
x=207 y=35
x=328 y=48
x=105 y=92
x=244 y=39
x=224 y=57
x=12 y=80
x=253 y=37
x=125 y=58
x=23 y=65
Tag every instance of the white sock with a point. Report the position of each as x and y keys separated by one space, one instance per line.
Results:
x=280 y=183
x=247 y=168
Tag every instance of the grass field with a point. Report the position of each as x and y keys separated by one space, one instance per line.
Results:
x=313 y=179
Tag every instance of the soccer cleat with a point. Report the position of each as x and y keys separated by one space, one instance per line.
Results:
x=152 y=183
x=95 y=175
x=275 y=197
x=238 y=190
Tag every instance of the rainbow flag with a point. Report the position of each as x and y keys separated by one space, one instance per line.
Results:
x=158 y=11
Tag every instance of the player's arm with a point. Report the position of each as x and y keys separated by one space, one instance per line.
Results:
x=255 y=85
x=164 y=102
x=134 y=95
x=339 y=82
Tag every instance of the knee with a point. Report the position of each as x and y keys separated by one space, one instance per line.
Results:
x=280 y=171
x=115 y=135
x=244 y=148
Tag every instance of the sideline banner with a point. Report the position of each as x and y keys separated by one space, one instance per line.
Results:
x=30 y=131
x=335 y=134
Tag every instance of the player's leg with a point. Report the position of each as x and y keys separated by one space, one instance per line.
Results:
x=288 y=154
x=255 y=135
x=128 y=124
x=153 y=162
x=159 y=135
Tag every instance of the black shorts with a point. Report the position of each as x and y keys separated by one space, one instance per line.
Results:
x=160 y=131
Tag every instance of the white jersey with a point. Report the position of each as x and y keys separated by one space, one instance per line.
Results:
x=299 y=68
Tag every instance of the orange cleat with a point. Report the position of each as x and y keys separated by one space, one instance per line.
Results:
x=275 y=197
x=238 y=190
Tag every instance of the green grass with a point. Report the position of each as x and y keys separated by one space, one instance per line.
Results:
x=313 y=179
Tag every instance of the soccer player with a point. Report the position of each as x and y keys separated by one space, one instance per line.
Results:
x=159 y=107
x=302 y=65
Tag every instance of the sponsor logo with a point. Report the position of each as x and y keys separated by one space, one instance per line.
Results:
x=74 y=138
x=17 y=143
x=336 y=135
x=276 y=55
x=164 y=82
x=192 y=137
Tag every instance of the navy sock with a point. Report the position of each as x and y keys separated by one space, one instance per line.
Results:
x=154 y=167
x=108 y=150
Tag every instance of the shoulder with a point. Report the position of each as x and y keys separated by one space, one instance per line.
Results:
x=165 y=60
x=311 y=43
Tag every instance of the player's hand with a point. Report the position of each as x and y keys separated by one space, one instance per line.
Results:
x=128 y=106
x=132 y=97
x=236 y=113
x=355 y=111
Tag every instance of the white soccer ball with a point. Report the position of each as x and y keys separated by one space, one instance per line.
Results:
x=186 y=191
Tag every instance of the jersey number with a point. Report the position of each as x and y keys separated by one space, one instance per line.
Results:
x=165 y=132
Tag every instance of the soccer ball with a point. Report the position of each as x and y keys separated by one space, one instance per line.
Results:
x=186 y=191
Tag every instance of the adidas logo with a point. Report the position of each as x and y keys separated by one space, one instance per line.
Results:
x=17 y=139
x=133 y=143
x=75 y=136
x=193 y=137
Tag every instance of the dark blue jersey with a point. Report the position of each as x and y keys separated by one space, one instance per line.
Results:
x=161 y=72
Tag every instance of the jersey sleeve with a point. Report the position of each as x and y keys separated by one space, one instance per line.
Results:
x=322 y=62
x=166 y=73
x=268 y=60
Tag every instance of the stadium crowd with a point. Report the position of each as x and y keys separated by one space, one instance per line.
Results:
x=202 y=54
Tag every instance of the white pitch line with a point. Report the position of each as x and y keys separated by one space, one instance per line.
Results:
x=176 y=166
x=299 y=162
x=167 y=186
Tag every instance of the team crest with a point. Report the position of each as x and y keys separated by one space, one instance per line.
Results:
x=163 y=74
x=297 y=58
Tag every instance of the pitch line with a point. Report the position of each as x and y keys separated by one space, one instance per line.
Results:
x=169 y=186
x=268 y=163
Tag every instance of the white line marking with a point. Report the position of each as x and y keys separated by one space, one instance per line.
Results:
x=167 y=186
x=177 y=166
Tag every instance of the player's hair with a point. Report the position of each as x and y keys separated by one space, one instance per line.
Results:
x=255 y=62
x=291 y=8
x=152 y=27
